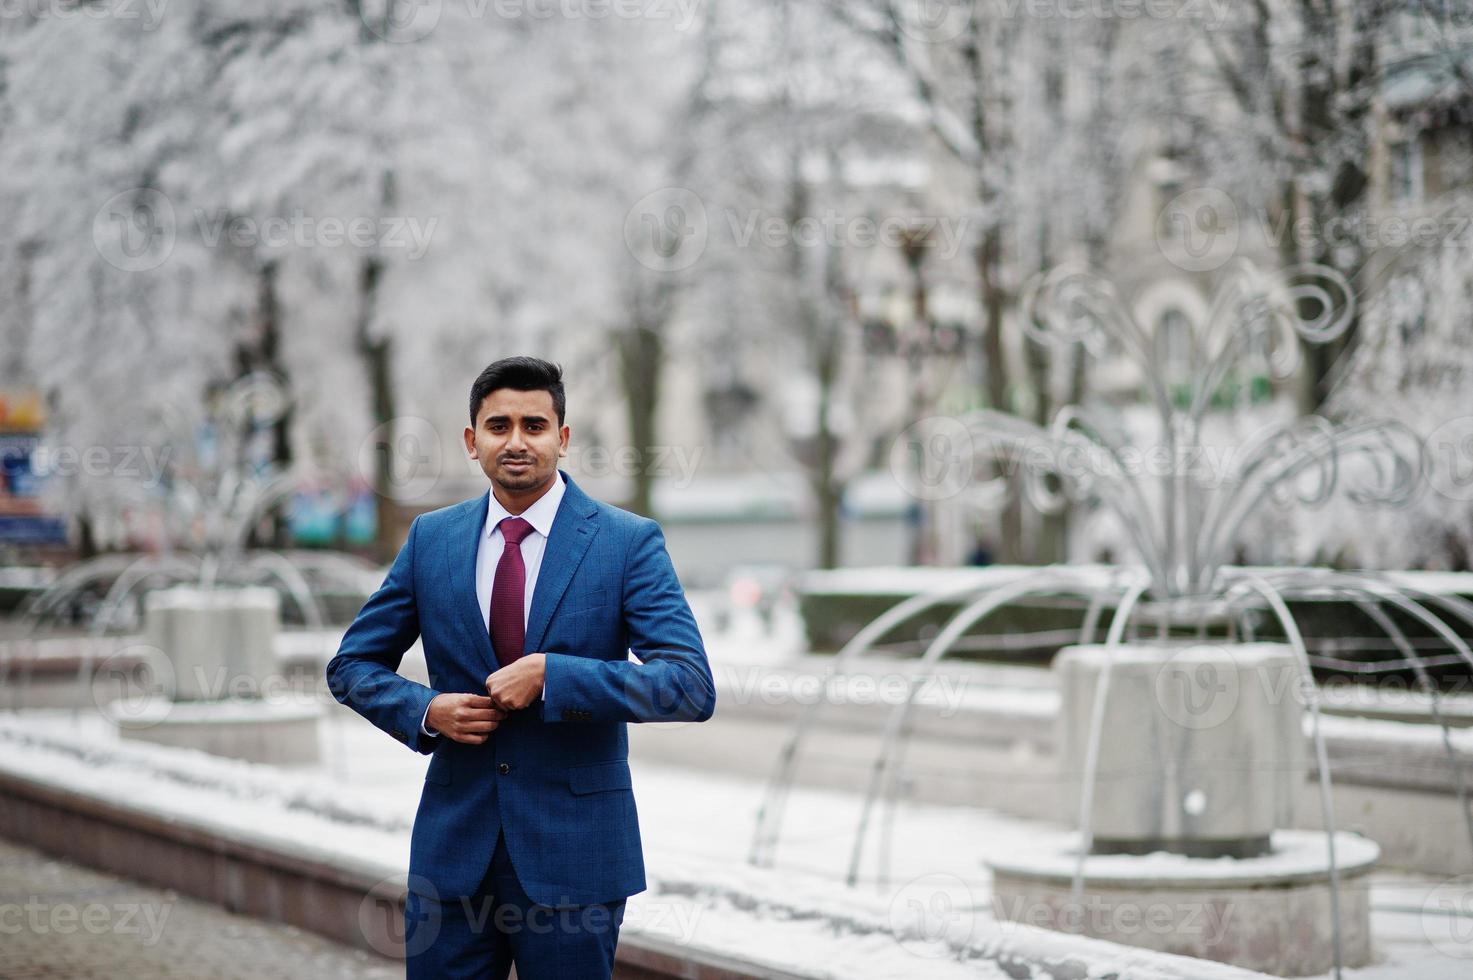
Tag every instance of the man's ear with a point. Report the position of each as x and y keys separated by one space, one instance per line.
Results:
x=563 y=439
x=470 y=441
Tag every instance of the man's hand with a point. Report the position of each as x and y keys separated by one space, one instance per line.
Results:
x=518 y=684
x=468 y=718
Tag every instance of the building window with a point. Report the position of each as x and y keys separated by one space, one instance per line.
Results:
x=730 y=409
x=1174 y=342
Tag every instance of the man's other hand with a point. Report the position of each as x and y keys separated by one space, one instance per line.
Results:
x=468 y=718
x=518 y=684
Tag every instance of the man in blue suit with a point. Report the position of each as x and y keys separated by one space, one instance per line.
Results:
x=528 y=601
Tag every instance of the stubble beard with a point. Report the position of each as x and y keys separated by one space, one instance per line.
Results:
x=530 y=479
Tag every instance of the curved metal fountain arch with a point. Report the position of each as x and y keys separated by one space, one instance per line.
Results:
x=1358 y=587
x=1182 y=538
x=1366 y=590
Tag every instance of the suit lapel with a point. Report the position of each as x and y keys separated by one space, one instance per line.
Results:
x=572 y=530
x=460 y=558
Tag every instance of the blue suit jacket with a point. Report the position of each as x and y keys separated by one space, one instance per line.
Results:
x=554 y=777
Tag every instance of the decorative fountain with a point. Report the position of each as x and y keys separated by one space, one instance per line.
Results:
x=1184 y=800
x=210 y=606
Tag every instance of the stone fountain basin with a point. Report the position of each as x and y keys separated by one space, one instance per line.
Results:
x=274 y=732
x=1270 y=913
x=1297 y=857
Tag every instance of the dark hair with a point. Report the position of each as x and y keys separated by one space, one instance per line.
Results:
x=521 y=374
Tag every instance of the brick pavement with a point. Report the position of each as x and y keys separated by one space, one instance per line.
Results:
x=62 y=920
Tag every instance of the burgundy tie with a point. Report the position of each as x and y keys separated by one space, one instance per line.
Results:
x=508 y=592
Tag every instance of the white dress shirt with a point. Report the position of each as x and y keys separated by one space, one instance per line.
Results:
x=488 y=554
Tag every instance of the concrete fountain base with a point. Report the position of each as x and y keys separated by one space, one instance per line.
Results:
x=1201 y=750
x=1198 y=755
x=282 y=734
x=1269 y=913
x=215 y=658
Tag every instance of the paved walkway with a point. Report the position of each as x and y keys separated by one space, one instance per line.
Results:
x=62 y=920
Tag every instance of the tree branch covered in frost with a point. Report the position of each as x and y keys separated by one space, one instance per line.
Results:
x=485 y=167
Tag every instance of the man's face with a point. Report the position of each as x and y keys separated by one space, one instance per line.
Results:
x=517 y=439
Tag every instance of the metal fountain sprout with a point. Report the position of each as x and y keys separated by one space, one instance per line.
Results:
x=1181 y=521
x=214 y=496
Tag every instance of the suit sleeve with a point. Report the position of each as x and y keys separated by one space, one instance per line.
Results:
x=364 y=673
x=671 y=682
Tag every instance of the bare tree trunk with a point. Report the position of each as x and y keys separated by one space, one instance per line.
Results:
x=641 y=342
x=828 y=489
x=641 y=348
x=816 y=327
x=86 y=538
x=1038 y=359
x=262 y=352
x=828 y=494
x=376 y=353
x=1326 y=104
x=995 y=300
x=992 y=135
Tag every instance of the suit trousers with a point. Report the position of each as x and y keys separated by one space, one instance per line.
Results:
x=480 y=936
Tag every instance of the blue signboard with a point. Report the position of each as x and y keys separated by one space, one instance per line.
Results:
x=22 y=521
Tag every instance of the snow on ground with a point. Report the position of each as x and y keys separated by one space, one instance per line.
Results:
x=697 y=830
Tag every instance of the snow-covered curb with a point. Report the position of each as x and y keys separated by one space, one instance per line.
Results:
x=747 y=915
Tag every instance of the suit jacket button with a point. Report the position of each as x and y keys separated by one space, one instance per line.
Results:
x=399 y=735
x=504 y=768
